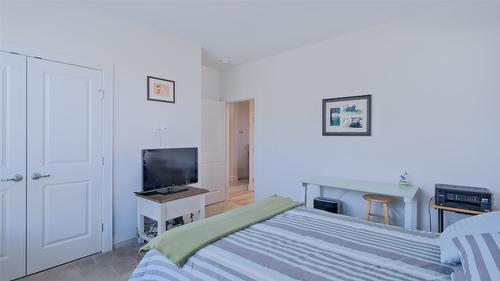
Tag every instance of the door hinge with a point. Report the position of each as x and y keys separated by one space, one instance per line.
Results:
x=102 y=93
x=102 y=227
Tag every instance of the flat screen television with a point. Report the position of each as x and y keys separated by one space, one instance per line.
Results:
x=169 y=167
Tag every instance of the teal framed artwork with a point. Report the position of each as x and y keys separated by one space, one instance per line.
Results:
x=347 y=116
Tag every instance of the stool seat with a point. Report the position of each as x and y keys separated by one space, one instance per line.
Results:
x=377 y=198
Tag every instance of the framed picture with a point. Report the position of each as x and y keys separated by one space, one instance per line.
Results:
x=161 y=89
x=347 y=116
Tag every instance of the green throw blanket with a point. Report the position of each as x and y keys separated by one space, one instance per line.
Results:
x=180 y=243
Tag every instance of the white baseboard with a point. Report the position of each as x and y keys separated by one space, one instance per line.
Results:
x=236 y=188
x=233 y=180
x=125 y=243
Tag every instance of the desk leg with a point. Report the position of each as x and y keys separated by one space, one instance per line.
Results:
x=440 y=220
x=305 y=194
x=411 y=213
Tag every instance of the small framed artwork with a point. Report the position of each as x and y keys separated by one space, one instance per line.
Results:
x=161 y=89
x=347 y=116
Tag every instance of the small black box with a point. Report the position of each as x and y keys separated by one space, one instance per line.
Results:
x=328 y=204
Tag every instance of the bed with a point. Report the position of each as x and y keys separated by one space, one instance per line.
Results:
x=308 y=244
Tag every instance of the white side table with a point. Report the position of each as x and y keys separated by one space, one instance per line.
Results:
x=164 y=207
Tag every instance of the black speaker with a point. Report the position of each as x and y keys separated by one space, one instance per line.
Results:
x=328 y=204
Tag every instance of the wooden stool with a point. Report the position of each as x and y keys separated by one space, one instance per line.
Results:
x=385 y=200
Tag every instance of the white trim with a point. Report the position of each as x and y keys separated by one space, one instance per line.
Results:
x=108 y=117
x=233 y=180
x=227 y=151
x=236 y=100
x=251 y=146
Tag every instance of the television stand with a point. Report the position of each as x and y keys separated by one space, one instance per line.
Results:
x=163 y=207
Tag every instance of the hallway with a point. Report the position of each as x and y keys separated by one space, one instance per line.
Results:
x=236 y=199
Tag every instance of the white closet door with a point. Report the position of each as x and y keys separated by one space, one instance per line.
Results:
x=213 y=147
x=64 y=163
x=12 y=163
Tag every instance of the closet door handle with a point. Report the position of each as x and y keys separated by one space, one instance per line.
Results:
x=37 y=176
x=15 y=178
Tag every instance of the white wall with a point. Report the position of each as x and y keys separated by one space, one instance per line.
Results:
x=135 y=52
x=435 y=84
x=1 y=19
x=210 y=83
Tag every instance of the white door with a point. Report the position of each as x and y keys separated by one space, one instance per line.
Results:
x=64 y=165
x=213 y=157
x=12 y=166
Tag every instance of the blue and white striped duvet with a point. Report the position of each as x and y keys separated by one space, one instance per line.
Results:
x=306 y=244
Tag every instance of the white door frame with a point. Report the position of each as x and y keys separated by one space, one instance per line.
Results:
x=228 y=172
x=107 y=181
x=251 y=185
x=251 y=154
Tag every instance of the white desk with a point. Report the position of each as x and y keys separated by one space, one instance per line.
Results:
x=395 y=190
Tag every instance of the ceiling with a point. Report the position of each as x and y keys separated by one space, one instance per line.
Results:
x=242 y=31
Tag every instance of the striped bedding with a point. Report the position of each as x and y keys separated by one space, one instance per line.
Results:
x=307 y=244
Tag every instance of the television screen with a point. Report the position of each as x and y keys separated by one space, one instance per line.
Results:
x=169 y=167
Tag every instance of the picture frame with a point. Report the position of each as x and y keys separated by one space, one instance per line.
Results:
x=159 y=89
x=347 y=116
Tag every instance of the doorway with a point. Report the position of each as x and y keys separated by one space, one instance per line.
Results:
x=228 y=154
x=240 y=147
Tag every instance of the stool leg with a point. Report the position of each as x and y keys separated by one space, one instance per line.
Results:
x=368 y=210
x=386 y=214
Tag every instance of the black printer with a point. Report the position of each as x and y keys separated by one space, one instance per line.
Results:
x=463 y=197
